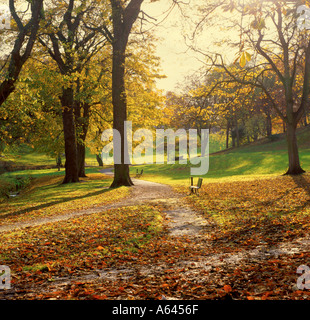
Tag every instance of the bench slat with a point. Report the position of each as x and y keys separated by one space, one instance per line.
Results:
x=197 y=187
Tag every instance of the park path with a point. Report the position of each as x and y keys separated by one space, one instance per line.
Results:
x=183 y=220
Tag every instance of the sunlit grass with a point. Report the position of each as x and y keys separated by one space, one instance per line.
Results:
x=245 y=163
x=26 y=156
x=47 y=196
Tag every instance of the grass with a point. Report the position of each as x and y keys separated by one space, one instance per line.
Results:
x=18 y=180
x=13 y=183
x=24 y=155
x=250 y=162
x=47 y=196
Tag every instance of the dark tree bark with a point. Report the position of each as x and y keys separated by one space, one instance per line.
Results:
x=123 y=20
x=121 y=171
x=82 y=121
x=227 y=134
x=237 y=131
x=22 y=43
x=294 y=163
x=70 y=136
x=266 y=108
x=81 y=160
x=99 y=160
x=268 y=125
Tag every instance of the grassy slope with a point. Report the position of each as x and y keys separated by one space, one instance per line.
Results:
x=256 y=161
x=26 y=156
x=247 y=162
x=46 y=196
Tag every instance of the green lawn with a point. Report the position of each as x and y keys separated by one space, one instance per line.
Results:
x=45 y=195
x=25 y=156
x=247 y=162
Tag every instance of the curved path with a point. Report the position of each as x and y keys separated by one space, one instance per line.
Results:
x=182 y=219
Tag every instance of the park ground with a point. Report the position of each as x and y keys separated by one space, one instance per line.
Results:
x=242 y=237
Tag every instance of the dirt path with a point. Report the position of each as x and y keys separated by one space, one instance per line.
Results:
x=204 y=268
x=182 y=219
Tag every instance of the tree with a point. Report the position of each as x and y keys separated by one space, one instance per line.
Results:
x=270 y=31
x=143 y=99
x=294 y=52
x=33 y=109
x=71 y=46
x=123 y=18
x=27 y=32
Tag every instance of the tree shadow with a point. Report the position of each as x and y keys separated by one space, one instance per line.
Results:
x=52 y=203
x=301 y=182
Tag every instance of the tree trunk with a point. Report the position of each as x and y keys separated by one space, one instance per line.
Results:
x=268 y=125
x=82 y=121
x=293 y=155
x=233 y=140
x=99 y=160
x=121 y=171
x=81 y=159
x=123 y=20
x=227 y=135
x=121 y=176
x=305 y=120
x=284 y=126
x=237 y=132
x=70 y=136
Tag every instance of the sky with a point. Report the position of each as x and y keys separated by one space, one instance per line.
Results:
x=177 y=60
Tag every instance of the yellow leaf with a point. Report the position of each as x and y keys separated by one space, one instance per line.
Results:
x=242 y=61
x=248 y=56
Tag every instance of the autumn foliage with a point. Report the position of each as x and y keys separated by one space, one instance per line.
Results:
x=250 y=249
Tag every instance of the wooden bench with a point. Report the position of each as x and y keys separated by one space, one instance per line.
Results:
x=138 y=175
x=194 y=189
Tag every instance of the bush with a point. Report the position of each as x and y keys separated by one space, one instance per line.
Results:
x=275 y=137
